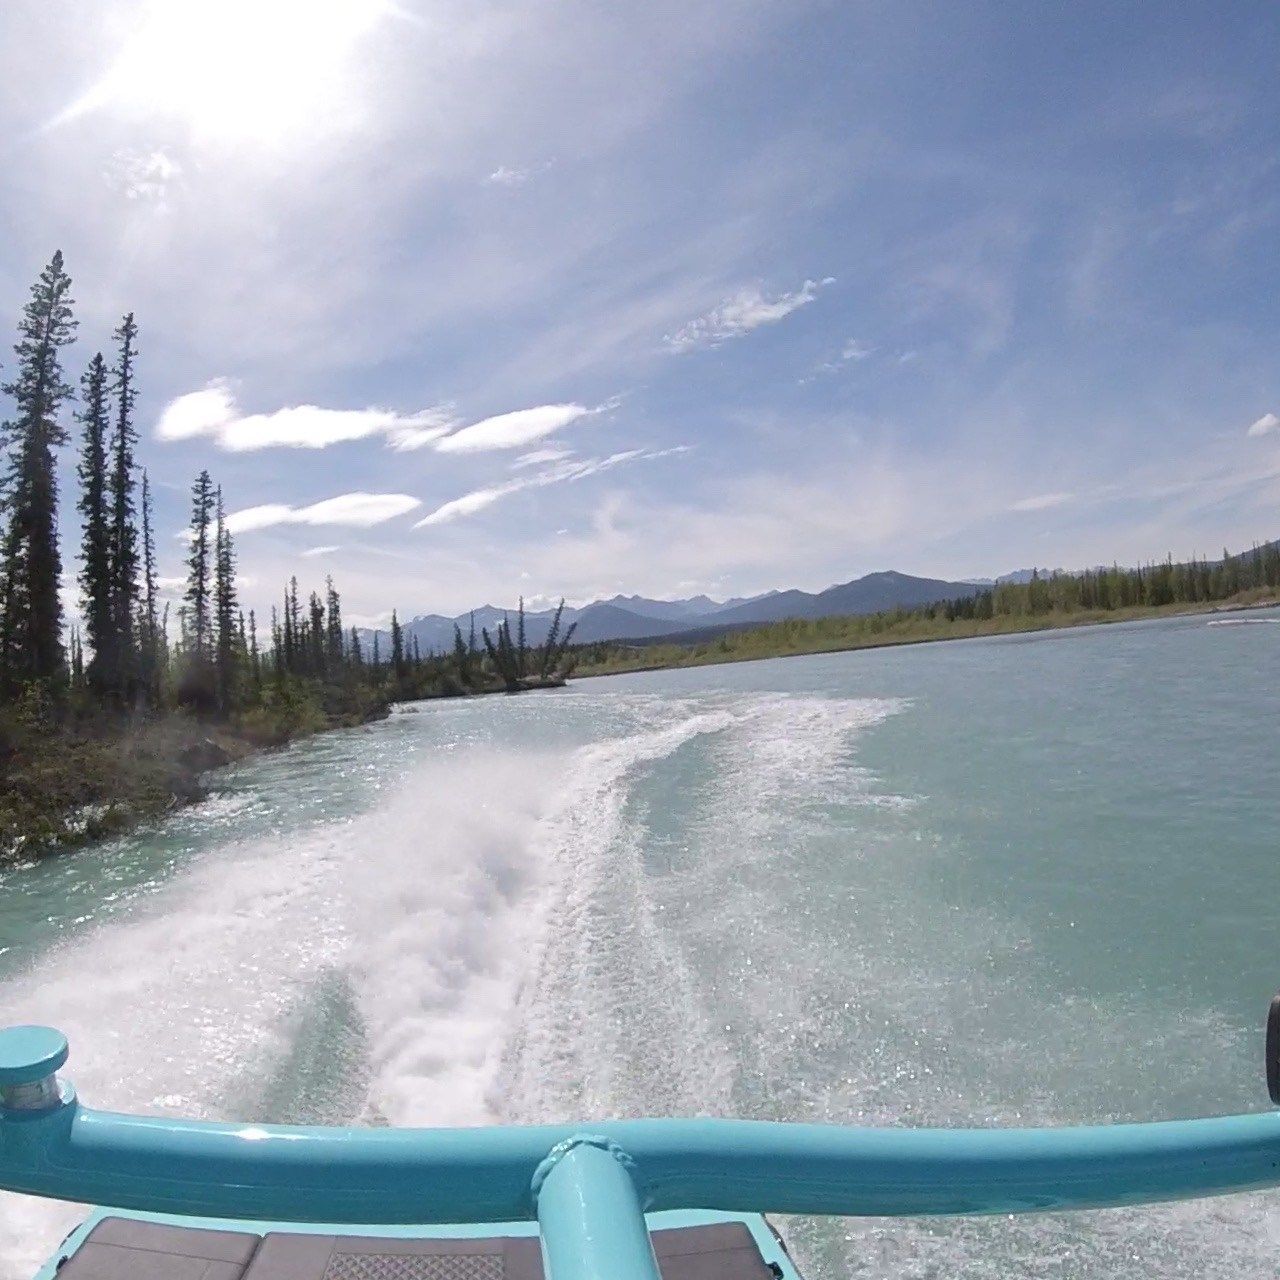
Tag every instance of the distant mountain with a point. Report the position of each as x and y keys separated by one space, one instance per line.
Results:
x=608 y=622
x=869 y=594
x=640 y=618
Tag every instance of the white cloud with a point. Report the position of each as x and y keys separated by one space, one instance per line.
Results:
x=747 y=309
x=212 y=411
x=1041 y=501
x=852 y=350
x=142 y=175
x=357 y=510
x=311 y=552
x=512 y=430
x=478 y=499
x=553 y=453
x=1266 y=424
x=470 y=503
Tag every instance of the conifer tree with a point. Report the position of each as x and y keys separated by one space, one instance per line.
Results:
x=200 y=565
x=95 y=545
x=333 y=624
x=397 y=646
x=316 y=636
x=124 y=534
x=461 y=656
x=31 y=627
x=357 y=654
x=255 y=658
x=224 y=606
x=151 y=656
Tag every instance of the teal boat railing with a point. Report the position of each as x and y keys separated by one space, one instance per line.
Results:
x=588 y=1188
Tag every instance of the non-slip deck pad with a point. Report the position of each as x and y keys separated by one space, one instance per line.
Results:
x=124 y=1249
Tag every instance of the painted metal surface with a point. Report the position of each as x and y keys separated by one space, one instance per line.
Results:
x=590 y=1215
x=589 y=1192
x=484 y=1175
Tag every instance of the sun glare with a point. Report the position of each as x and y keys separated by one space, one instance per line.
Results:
x=237 y=69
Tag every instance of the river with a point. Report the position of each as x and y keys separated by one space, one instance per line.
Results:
x=1024 y=880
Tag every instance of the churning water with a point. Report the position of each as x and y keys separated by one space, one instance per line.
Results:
x=1015 y=881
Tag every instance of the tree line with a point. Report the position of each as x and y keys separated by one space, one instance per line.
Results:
x=120 y=657
x=1102 y=590
x=1046 y=600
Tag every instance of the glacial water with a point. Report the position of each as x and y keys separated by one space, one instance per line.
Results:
x=1028 y=880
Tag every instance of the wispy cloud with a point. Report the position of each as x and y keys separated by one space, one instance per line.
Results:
x=1042 y=501
x=516 y=175
x=478 y=499
x=746 y=310
x=512 y=430
x=212 y=412
x=854 y=349
x=552 y=453
x=357 y=510
x=311 y=552
x=1266 y=424
x=142 y=175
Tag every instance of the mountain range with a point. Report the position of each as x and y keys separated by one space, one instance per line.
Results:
x=696 y=618
x=642 y=619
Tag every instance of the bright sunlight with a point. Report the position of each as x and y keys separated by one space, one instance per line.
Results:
x=235 y=70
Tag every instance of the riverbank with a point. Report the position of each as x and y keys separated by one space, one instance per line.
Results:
x=798 y=637
x=65 y=784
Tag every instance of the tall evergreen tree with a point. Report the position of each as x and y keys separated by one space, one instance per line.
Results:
x=334 y=634
x=255 y=657
x=31 y=628
x=200 y=569
x=397 y=645
x=357 y=654
x=316 y=636
x=224 y=606
x=124 y=533
x=95 y=544
x=151 y=655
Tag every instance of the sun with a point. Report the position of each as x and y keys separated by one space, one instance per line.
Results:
x=237 y=69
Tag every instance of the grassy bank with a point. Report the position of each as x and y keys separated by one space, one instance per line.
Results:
x=796 y=637
x=66 y=779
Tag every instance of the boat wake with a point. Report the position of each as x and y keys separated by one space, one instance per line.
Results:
x=711 y=908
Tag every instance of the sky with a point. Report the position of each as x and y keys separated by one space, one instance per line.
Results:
x=463 y=301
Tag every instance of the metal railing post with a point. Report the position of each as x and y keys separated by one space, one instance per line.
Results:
x=590 y=1214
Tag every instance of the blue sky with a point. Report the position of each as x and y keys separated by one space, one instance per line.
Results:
x=464 y=300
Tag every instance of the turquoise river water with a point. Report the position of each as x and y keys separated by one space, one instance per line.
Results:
x=1026 y=880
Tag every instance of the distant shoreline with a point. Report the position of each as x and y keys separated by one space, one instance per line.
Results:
x=709 y=654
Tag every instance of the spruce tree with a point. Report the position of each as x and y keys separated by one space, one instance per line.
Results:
x=151 y=659
x=255 y=658
x=200 y=565
x=316 y=636
x=31 y=566
x=397 y=645
x=224 y=606
x=334 y=635
x=357 y=654
x=95 y=544
x=124 y=534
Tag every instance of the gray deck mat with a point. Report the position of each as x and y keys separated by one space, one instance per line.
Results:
x=125 y=1249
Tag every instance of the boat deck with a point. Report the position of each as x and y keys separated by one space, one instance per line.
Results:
x=124 y=1246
